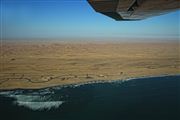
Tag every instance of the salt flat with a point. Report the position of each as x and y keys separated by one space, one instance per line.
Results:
x=45 y=64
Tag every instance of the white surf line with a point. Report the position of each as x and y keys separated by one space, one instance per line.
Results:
x=74 y=85
x=39 y=105
x=36 y=102
x=33 y=102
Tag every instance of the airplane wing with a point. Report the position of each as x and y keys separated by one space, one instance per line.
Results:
x=134 y=9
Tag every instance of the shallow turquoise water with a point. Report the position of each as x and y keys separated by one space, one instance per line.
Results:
x=155 y=98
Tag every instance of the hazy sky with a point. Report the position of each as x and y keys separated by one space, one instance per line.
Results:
x=55 y=19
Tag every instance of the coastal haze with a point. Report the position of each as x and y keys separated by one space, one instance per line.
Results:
x=44 y=64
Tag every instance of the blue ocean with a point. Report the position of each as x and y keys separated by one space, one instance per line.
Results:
x=153 y=98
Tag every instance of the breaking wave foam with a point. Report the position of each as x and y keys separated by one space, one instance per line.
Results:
x=39 y=105
x=33 y=101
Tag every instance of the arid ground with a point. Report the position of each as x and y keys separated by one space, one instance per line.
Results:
x=38 y=64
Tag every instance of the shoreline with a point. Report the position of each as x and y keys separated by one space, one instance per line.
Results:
x=74 y=85
x=45 y=65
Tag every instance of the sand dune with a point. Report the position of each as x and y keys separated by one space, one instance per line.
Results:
x=36 y=64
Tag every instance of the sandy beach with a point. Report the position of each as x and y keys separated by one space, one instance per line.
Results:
x=44 y=64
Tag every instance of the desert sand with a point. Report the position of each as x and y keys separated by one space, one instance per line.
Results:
x=44 y=64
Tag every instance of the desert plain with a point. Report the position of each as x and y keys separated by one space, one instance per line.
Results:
x=44 y=64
